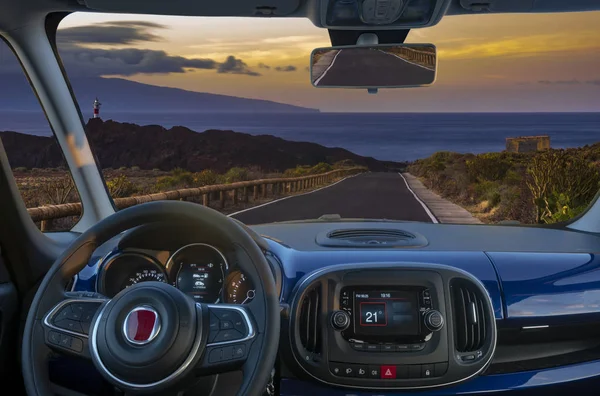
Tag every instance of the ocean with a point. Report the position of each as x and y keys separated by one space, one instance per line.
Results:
x=385 y=136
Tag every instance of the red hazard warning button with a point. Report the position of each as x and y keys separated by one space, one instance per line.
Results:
x=388 y=372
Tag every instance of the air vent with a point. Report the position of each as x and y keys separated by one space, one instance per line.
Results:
x=470 y=330
x=370 y=237
x=309 y=321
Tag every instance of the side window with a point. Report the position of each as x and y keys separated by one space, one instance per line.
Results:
x=35 y=157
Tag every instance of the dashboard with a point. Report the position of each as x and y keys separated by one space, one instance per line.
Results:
x=470 y=309
x=200 y=270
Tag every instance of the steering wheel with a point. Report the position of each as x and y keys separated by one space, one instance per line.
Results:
x=152 y=337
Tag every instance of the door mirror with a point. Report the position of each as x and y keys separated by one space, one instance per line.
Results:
x=376 y=66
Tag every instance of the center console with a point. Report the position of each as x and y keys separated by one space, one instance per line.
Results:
x=391 y=326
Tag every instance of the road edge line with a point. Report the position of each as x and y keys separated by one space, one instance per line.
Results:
x=318 y=80
x=291 y=196
x=427 y=210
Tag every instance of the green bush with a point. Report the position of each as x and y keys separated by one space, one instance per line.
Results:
x=135 y=168
x=488 y=167
x=20 y=169
x=236 y=175
x=206 y=178
x=120 y=187
x=179 y=178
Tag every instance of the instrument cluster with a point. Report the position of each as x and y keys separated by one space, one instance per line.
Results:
x=200 y=270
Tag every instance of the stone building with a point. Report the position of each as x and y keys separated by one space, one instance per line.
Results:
x=526 y=144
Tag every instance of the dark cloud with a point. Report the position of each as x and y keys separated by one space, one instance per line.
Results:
x=263 y=66
x=288 y=68
x=569 y=82
x=233 y=65
x=118 y=32
x=81 y=61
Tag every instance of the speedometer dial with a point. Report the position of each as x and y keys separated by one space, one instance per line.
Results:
x=145 y=275
x=199 y=271
x=125 y=269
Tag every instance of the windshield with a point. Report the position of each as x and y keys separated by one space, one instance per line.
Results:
x=509 y=131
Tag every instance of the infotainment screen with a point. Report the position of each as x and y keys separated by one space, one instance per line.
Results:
x=386 y=313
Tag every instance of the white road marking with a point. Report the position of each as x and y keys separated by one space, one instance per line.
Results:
x=407 y=61
x=431 y=216
x=291 y=196
x=318 y=80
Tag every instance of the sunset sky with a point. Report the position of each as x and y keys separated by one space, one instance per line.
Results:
x=534 y=62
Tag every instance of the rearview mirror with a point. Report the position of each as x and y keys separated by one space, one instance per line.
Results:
x=375 y=66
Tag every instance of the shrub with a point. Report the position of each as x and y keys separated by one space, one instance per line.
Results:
x=206 y=178
x=489 y=166
x=321 y=167
x=236 y=175
x=120 y=187
x=135 y=168
x=20 y=169
x=179 y=178
x=561 y=183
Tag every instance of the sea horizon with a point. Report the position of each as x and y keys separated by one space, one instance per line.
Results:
x=385 y=136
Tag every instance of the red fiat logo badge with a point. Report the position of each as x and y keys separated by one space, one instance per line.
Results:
x=141 y=325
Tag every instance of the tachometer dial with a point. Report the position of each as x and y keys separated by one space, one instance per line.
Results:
x=199 y=271
x=239 y=289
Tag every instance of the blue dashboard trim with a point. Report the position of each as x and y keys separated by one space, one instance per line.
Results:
x=299 y=263
x=584 y=376
x=549 y=287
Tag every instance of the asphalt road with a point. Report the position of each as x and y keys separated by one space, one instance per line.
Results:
x=366 y=196
x=355 y=68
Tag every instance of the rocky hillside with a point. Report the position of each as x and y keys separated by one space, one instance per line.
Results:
x=118 y=145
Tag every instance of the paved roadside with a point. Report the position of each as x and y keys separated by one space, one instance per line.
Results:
x=444 y=210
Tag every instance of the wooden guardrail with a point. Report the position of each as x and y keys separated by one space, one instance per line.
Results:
x=236 y=192
x=425 y=57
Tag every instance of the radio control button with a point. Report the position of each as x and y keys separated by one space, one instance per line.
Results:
x=402 y=348
x=388 y=348
x=359 y=346
x=349 y=370
x=362 y=371
x=402 y=371
x=373 y=348
x=388 y=372
x=417 y=347
x=414 y=371
x=374 y=372
x=427 y=370
x=426 y=293
x=440 y=369
x=336 y=369
x=340 y=320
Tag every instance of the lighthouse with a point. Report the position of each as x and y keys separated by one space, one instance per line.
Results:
x=97 y=108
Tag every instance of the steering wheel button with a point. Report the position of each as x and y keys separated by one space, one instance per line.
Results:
x=54 y=338
x=215 y=356
x=70 y=325
x=76 y=344
x=226 y=325
x=228 y=353
x=228 y=335
x=85 y=327
x=240 y=326
x=239 y=351
x=63 y=314
x=65 y=341
x=226 y=314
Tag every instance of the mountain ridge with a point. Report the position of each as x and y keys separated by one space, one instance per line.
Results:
x=118 y=94
x=117 y=144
